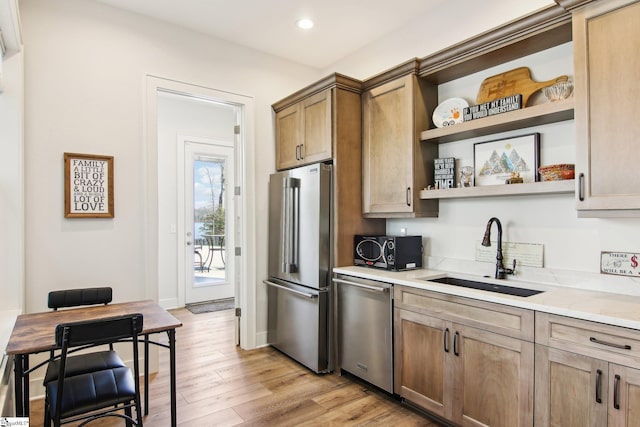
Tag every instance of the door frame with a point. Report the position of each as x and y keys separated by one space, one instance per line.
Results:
x=245 y=266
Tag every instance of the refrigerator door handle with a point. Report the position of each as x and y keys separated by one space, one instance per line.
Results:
x=295 y=226
x=284 y=227
x=291 y=220
x=293 y=291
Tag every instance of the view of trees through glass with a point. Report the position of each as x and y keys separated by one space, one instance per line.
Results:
x=209 y=191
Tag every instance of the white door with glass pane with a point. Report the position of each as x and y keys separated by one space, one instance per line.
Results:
x=208 y=219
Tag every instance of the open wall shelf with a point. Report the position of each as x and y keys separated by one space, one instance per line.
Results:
x=536 y=115
x=543 y=187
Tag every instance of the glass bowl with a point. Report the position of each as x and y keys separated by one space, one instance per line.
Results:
x=558 y=91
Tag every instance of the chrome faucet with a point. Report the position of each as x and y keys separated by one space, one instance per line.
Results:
x=486 y=241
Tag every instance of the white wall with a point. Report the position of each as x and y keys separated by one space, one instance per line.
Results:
x=11 y=184
x=85 y=67
x=571 y=246
x=433 y=32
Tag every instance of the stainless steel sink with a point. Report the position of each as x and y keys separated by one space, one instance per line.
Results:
x=491 y=287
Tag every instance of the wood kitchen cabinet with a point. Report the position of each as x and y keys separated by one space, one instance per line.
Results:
x=467 y=361
x=322 y=123
x=418 y=339
x=587 y=374
x=571 y=389
x=303 y=131
x=395 y=165
x=624 y=389
x=606 y=38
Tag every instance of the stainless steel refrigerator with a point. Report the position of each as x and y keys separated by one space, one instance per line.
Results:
x=300 y=262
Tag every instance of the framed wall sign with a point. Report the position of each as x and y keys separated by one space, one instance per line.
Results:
x=495 y=161
x=88 y=186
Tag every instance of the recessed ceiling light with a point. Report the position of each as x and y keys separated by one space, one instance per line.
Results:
x=304 y=23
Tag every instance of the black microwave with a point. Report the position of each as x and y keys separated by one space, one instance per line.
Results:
x=388 y=252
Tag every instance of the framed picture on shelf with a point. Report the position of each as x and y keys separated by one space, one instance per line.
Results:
x=88 y=186
x=499 y=160
x=444 y=173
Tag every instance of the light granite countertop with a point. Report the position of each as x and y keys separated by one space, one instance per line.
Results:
x=604 y=307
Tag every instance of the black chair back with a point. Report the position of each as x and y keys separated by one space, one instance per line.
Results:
x=97 y=332
x=78 y=297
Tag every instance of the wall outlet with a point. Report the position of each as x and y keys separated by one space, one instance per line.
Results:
x=403 y=231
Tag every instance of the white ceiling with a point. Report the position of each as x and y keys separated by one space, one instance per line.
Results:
x=341 y=26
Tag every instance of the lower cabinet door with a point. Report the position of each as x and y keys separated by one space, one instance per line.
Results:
x=493 y=379
x=422 y=372
x=571 y=389
x=624 y=396
x=466 y=375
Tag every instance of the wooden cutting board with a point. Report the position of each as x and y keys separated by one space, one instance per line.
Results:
x=512 y=83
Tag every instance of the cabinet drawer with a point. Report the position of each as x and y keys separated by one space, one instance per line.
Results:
x=612 y=343
x=502 y=319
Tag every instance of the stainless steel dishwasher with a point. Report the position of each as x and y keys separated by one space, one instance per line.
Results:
x=365 y=329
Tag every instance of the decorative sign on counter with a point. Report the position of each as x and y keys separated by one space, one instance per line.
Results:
x=620 y=263
x=530 y=254
x=491 y=108
x=444 y=172
x=88 y=186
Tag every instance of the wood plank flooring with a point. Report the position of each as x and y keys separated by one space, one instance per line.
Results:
x=220 y=384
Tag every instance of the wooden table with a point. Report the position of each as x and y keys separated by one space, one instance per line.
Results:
x=35 y=333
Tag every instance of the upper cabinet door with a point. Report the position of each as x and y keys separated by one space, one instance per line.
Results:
x=316 y=116
x=388 y=146
x=606 y=38
x=395 y=165
x=288 y=135
x=303 y=132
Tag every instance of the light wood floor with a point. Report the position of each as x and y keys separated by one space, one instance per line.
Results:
x=220 y=384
